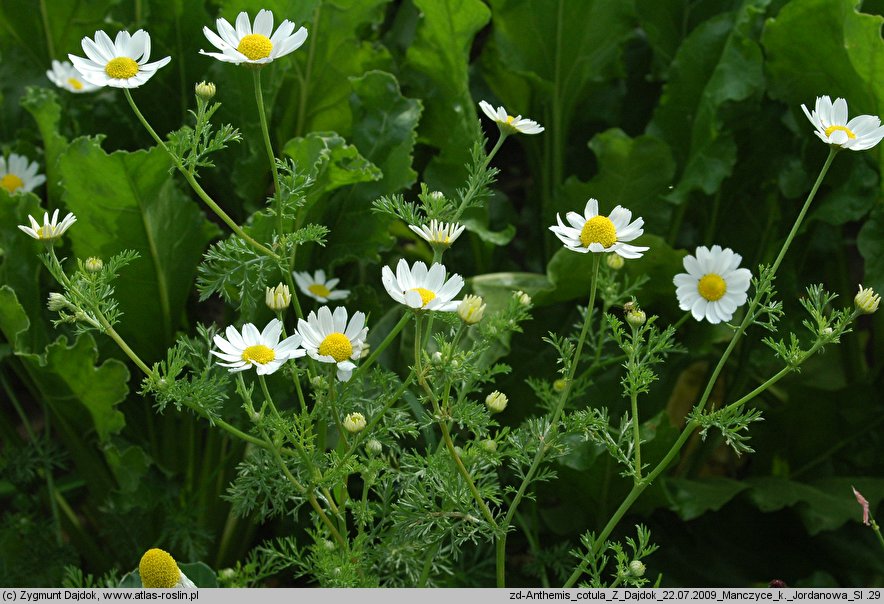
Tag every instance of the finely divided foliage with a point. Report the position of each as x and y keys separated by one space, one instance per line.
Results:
x=328 y=308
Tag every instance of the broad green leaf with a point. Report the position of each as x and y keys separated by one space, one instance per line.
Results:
x=384 y=124
x=870 y=242
x=845 y=49
x=128 y=200
x=20 y=266
x=129 y=464
x=692 y=498
x=497 y=288
x=437 y=66
x=43 y=106
x=633 y=172
x=848 y=200
x=546 y=59
x=331 y=162
x=823 y=505
x=63 y=373
x=719 y=63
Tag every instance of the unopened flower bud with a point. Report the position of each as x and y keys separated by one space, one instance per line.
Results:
x=636 y=568
x=636 y=317
x=615 y=261
x=227 y=573
x=496 y=401
x=205 y=91
x=93 y=264
x=866 y=300
x=489 y=445
x=57 y=302
x=437 y=195
x=328 y=544
x=318 y=382
x=436 y=358
x=523 y=298
x=374 y=447
x=559 y=384
x=471 y=309
x=354 y=422
x=278 y=298
x=827 y=331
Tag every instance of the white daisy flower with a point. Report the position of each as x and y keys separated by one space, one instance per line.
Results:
x=318 y=288
x=420 y=288
x=51 y=229
x=830 y=119
x=509 y=124
x=17 y=175
x=594 y=233
x=329 y=338
x=65 y=76
x=121 y=63
x=442 y=233
x=261 y=350
x=253 y=44
x=713 y=288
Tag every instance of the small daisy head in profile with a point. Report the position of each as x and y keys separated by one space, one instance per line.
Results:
x=253 y=43
x=65 y=76
x=330 y=338
x=318 y=287
x=119 y=63
x=438 y=233
x=158 y=569
x=50 y=229
x=18 y=175
x=259 y=349
x=592 y=232
x=421 y=288
x=830 y=120
x=714 y=286
x=509 y=124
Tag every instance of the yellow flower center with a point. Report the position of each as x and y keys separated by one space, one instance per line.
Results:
x=11 y=183
x=255 y=46
x=75 y=83
x=121 y=68
x=158 y=569
x=712 y=287
x=425 y=294
x=509 y=119
x=258 y=354
x=337 y=346
x=598 y=229
x=844 y=129
x=319 y=290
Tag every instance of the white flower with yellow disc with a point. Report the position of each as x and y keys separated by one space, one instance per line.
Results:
x=830 y=119
x=317 y=287
x=442 y=233
x=261 y=350
x=509 y=124
x=17 y=175
x=422 y=288
x=592 y=232
x=253 y=43
x=51 y=229
x=121 y=63
x=714 y=287
x=65 y=76
x=329 y=338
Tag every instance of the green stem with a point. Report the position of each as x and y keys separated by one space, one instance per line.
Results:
x=195 y=185
x=553 y=427
x=877 y=529
x=265 y=130
x=471 y=192
x=446 y=435
x=636 y=436
x=833 y=150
